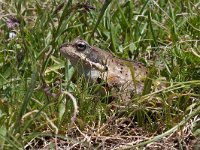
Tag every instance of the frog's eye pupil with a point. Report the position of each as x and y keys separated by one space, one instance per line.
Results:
x=81 y=46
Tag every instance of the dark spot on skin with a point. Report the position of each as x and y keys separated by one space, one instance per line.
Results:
x=106 y=69
x=132 y=94
x=139 y=63
x=146 y=72
x=99 y=80
x=112 y=60
x=122 y=68
x=140 y=66
x=121 y=72
x=105 y=85
x=126 y=74
x=92 y=55
x=114 y=84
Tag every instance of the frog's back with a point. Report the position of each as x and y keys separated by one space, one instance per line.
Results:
x=127 y=74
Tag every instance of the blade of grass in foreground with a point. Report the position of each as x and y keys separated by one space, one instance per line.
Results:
x=7 y=139
x=148 y=81
x=105 y=5
x=25 y=102
x=63 y=16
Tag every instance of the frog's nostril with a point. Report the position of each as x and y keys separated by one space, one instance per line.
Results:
x=63 y=45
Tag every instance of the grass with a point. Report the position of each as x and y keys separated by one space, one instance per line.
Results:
x=34 y=113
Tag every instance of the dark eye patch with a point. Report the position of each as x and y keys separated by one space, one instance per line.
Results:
x=81 y=45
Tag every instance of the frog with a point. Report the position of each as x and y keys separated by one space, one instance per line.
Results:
x=125 y=77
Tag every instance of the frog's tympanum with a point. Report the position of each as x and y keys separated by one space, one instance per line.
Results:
x=121 y=75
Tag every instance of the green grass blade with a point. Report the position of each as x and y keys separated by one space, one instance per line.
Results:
x=103 y=9
x=26 y=100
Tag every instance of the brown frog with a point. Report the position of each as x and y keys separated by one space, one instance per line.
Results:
x=121 y=75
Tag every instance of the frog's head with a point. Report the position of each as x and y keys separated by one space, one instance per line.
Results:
x=80 y=51
x=76 y=49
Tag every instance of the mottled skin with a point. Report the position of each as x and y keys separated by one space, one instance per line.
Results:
x=120 y=74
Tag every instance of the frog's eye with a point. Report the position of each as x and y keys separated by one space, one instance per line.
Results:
x=81 y=46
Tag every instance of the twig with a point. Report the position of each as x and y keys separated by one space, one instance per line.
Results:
x=75 y=106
